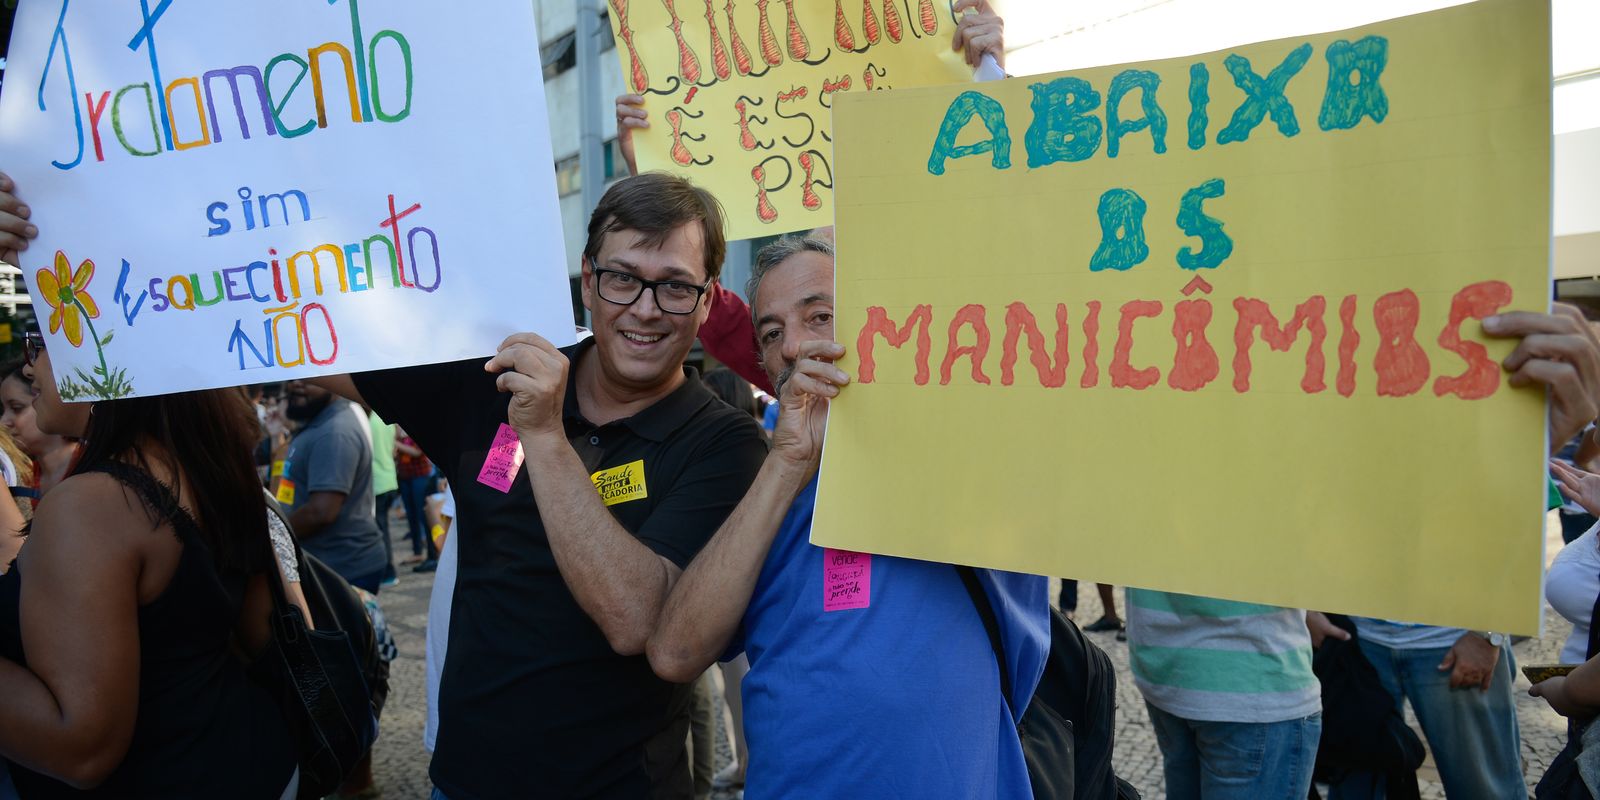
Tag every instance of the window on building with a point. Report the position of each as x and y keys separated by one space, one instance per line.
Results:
x=569 y=178
x=559 y=55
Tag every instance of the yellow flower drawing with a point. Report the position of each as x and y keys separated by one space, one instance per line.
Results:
x=64 y=291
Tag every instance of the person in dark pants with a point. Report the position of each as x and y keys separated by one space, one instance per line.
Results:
x=385 y=488
x=1069 y=597
x=417 y=479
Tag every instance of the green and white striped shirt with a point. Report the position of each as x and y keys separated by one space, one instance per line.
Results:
x=1220 y=660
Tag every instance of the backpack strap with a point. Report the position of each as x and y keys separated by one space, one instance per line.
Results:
x=991 y=624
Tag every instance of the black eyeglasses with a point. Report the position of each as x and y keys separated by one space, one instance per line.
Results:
x=625 y=289
x=32 y=346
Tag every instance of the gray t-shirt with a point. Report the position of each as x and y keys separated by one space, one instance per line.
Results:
x=332 y=454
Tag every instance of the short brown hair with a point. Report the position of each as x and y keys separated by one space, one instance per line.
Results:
x=655 y=204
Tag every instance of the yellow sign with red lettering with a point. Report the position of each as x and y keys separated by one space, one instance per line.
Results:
x=1208 y=325
x=740 y=94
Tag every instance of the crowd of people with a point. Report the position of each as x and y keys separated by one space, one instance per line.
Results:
x=654 y=526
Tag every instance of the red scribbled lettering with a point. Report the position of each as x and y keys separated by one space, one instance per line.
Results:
x=393 y=222
x=764 y=208
x=764 y=34
x=1254 y=314
x=1123 y=373
x=799 y=48
x=741 y=56
x=976 y=317
x=1091 y=347
x=1195 y=365
x=1482 y=376
x=841 y=28
x=333 y=335
x=680 y=152
x=1020 y=321
x=747 y=140
x=719 y=54
x=869 y=22
x=1349 y=340
x=891 y=21
x=641 y=80
x=930 y=19
x=688 y=62
x=1401 y=363
x=878 y=324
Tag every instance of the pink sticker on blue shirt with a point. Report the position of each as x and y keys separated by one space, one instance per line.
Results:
x=846 y=580
x=504 y=459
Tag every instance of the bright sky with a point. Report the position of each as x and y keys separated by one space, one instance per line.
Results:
x=1054 y=35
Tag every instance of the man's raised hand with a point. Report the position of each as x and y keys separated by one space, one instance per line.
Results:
x=535 y=373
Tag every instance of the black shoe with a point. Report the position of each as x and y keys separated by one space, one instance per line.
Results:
x=430 y=565
x=1103 y=625
x=1122 y=633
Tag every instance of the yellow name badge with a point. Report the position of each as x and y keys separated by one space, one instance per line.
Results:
x=286 y=492
x=621 y=484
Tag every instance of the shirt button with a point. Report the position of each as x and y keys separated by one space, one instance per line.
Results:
x=594 y=440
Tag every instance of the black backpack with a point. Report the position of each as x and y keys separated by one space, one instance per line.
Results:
x=330 y=682
x=1069 y=728
x=1361 y=729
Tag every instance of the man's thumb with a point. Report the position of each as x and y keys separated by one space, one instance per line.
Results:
x=1449 y=661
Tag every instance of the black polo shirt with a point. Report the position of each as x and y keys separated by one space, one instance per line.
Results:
x=533 y=701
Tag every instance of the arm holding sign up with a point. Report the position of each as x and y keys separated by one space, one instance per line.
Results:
x=618 y=581
x=705 y=607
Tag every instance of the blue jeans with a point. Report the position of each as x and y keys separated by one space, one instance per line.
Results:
x=1472 y=733
x=414 y=494
x=437 y=795
x=1236 y=760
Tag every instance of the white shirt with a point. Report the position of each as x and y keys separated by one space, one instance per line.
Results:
x=1571 y=586
x=444 y=588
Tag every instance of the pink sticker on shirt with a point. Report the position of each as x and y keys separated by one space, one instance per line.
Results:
x=846 y=580
x=505 y=458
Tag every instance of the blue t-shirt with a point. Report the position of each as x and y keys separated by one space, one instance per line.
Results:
x=895 y=694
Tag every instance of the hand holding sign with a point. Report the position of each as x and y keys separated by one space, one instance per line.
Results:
x=1560 y=351
x=979 y=32
x=535 y=373
x=630 y=115
x=15 y=229
x=804 y=391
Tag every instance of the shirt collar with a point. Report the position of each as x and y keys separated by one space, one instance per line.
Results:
x=658 y=421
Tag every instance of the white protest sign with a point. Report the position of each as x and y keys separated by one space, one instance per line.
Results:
x=232 y=193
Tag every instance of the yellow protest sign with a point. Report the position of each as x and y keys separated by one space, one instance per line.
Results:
x=1208 y=325
x=740 y=93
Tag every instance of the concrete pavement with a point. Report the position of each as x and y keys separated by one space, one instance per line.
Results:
x=400 y=763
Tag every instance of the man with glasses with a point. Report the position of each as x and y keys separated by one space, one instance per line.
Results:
x=631 y=465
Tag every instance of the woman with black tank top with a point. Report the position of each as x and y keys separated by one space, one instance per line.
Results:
x=128 y=617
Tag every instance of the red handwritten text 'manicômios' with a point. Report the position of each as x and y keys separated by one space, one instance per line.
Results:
x=1401 y=364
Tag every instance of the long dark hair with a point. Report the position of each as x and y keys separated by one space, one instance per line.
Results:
x=206 y=438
